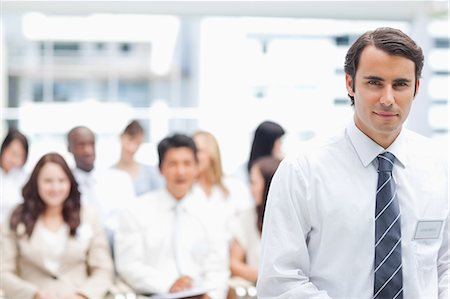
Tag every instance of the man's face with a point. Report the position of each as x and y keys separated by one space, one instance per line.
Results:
x=179 y=168
x=82 y=146
x=383 y=90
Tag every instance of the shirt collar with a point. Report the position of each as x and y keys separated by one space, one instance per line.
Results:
x=173 y=203
x=367 y=149
x=85 y=177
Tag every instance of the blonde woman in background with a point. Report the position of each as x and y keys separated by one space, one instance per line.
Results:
x=225 y=196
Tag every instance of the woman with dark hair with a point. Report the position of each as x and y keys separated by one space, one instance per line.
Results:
x=13 y=156
x=244 y=253
x=145 y=177
x=51 y=246
x=266 y=142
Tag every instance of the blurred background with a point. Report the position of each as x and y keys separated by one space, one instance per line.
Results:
x=220 y=66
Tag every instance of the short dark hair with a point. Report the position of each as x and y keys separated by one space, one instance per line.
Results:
x=175 y=141
x=14 y=134
x=390 y=40
x=75 y=130
x=265 y=136
x=133 y=128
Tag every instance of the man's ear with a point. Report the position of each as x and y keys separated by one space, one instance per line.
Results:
x=349 y=84
x=416 y=90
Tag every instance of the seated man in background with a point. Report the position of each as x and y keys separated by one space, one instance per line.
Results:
x=108 y=190
x=163 y=243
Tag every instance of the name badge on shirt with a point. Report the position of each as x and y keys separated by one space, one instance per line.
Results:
x=428 y=229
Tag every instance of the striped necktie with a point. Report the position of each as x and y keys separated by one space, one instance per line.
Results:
x=388 y=251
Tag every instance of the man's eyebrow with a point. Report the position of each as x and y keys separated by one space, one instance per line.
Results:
x=402 y=80
x=374 y=78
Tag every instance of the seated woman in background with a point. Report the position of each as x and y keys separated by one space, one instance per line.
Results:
x=266 y=142
x=245 y=247
x=13 y=156
x=51 y=246
x=145 y=177
x=226 y=196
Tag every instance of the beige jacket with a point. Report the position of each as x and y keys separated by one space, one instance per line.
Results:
x=86 y=267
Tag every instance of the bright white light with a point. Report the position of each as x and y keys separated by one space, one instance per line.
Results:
x=439 y=59
x=159 y=115
x=438 y=116
x=438 y=87
x=439 y=28
x=36 y=118
x=99 y=27
x=161 y=31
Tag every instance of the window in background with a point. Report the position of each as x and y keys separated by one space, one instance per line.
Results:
x=439 y=63
x=134 y=93
x=286 y=70
x=38 y=91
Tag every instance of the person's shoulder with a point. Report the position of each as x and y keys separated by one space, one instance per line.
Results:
x=150 y=198
x=318 y=148
x=89 y=217
x=232 y=182
x=113 y=174
x=425 y=147
x=88 y=213
x=147 y=167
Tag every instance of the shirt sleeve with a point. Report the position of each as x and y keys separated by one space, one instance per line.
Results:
x=444 y=264
x=285 y=262
x=129 y=252
x=10 y=282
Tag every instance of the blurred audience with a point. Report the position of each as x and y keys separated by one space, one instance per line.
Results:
x=163 y=244
x=51 y=246
x=107 y=190
x=13 y=156
x=245 y=247
x=145 y=177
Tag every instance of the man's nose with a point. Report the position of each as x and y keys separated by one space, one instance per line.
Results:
x=88 y=149
x=388 y=96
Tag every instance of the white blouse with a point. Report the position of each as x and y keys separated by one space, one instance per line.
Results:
x=53 y=244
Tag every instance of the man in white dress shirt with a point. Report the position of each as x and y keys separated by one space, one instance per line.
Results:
x=319 y=237
x=163 y=243
x=109 y=191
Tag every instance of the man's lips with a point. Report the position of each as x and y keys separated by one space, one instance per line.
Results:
x=385 y=113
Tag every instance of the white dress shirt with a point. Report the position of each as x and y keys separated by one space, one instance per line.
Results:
x=160 y=239
x=318 y=233
x=225 y=208
x=11 y=184
x=108 y=191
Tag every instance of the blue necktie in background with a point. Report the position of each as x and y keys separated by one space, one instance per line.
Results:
x=388 y=250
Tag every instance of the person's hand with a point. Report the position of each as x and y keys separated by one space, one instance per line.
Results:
x=204 y=296
x=42 y=295
x=181 y=284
